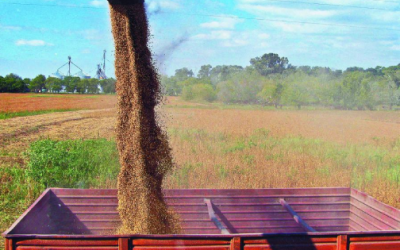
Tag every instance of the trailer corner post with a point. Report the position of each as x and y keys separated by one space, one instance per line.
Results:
x=123 y=243
x=9 y=244
x=236 y=243
x=342 y=242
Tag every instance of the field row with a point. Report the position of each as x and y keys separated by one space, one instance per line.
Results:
x=10 y=103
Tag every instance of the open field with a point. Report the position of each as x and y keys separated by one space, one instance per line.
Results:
x=217 y=146
x=11 y=103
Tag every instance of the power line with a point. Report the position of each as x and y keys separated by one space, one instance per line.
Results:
x=226 y=16
x=329 y=4
x=283 y=21
x=385 y=1
x=54 y=5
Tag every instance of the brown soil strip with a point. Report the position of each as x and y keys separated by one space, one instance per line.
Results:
x=25 y=131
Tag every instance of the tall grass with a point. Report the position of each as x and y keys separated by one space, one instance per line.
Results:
x=73 y=163
x=69 y=164
x=260 y=160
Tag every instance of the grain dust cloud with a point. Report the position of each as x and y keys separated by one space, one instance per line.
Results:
x=145 y=155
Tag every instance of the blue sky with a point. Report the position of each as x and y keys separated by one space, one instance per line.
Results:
x=37 y=36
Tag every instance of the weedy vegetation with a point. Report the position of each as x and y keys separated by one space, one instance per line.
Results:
x=8 y=115
x=50 y=163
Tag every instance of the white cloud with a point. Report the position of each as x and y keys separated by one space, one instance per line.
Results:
x=344 y=44
x=268 y=10
x=395 y=47
x=222 y=23
x=229 y=38
x=264 y=36
x=163 y=4
x=98 y=3
x=91 y=34
x=35 y=43
x=386 y=16
x=5 y=27
x=375 y=3
x=235 y=42
x=386 y=43
x=299 y=28
x=214 y=35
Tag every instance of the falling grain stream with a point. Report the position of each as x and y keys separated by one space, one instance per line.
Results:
x=145 y=155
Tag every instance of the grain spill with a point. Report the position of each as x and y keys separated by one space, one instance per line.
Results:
x=145 y=155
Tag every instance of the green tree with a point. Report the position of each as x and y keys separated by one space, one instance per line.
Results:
x=108 y=85
x=393 y=74
x=299 y=90
x=193 y=81
x=222 y=73
x=242 y=87
x=271 y=92
x=187 y=93
x=38 y=83
x=170 y=86
x=356 y=91
x=204 y=92
x=13 y=83
x=57 y=85
x=3 y=86
x=71 y=83
x=53 y=84
x=199 y=92
x=183 y=74
x=82 y=85
x=354 y=69
x=93 y=86
x=27 y=82
x=269 y=64
x=205 y=71
x=324 y=88
x=386 y=92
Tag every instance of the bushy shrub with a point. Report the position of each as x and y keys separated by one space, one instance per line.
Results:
x=73 y=163
x=242 y=87
x=187 y=93
x=199 y=92
x=204 y=92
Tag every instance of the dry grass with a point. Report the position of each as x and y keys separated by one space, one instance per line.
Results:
x=33 y=102
x=338 y=126
x=240 y=148
x=260 y=160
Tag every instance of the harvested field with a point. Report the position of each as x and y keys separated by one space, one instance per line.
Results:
x=331 y=125
x=33 y=102
x=17 y=133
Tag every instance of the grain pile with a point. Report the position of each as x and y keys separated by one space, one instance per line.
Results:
x=143 y=147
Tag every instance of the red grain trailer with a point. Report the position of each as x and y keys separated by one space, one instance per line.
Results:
x=249 y=219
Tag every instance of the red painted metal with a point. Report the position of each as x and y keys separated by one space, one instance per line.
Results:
x=213 y=218
x=343 y=218
x=296 y=217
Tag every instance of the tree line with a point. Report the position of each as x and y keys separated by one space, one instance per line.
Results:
x=272 y=80
x=13 y=83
